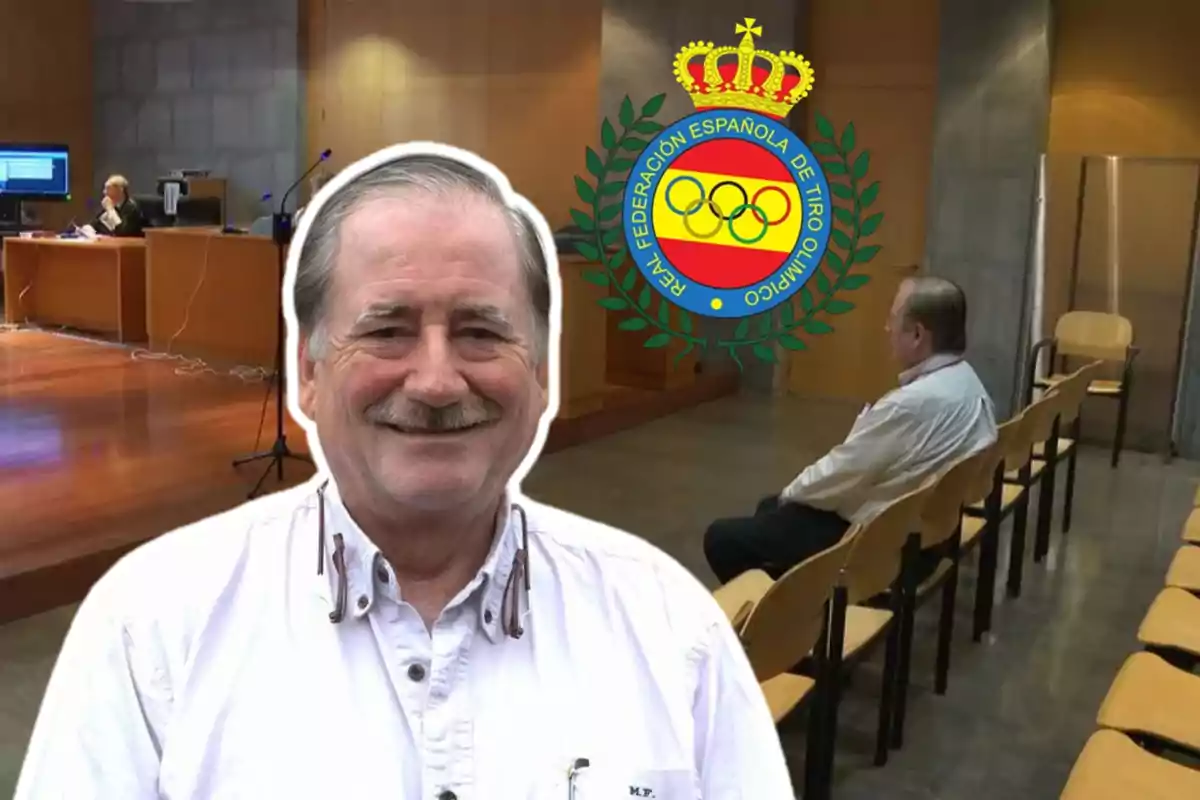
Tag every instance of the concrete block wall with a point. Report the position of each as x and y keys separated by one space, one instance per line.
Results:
x=639 y=41
x=991 y=126
x=207 y=84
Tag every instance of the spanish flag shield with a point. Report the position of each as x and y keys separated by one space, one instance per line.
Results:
x=727 y=213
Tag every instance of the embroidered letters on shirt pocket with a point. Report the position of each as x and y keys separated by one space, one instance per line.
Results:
x=616 y=784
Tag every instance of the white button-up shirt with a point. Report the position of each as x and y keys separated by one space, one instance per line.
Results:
x=205 y=665
x=941 y=413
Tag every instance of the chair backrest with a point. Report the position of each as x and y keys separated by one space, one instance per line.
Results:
x=942 y=513
x=1074 y=390
x=1040 y=417
x=1006 y=449
x=786 y=623
x=1093 y=334
x=874 y=562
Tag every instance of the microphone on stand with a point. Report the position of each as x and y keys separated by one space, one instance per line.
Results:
x=281 y=232
x=281 y=227
x=320 y=160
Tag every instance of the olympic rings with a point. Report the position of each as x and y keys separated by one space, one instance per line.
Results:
x=708 y=200
x=712 y=195
x=763 y=219
x=688 y=179
x=759 y=215
x=695 y=206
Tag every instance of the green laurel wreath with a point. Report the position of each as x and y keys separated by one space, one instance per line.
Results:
x=782 y=325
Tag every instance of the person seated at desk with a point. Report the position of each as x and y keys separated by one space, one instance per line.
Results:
x=119 y=214
x=940 y=414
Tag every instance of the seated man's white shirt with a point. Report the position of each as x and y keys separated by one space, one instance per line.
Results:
x=204 y=665
x=111 y=218
x=941 y=414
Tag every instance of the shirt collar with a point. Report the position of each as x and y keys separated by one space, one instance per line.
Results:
x=485 y=592
x=932 y=364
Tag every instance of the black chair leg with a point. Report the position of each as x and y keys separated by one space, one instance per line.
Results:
x=946 y=631
x=833 y=691
x=1069 y=490
x=814 y=757
x=1122 y=412
x=985 y=587
x=907 y=596
x=1045 y=509
x=1016 y=544
x=887 y=693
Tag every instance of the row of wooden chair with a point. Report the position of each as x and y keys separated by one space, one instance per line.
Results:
x=1150 y=720
x=831 y=611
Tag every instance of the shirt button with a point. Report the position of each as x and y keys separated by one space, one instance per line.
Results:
x=447 y=795
x=487 y=616
x=362 y=601
x=416 y=673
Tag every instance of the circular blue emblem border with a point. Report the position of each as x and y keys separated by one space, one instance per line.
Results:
x=695 y=297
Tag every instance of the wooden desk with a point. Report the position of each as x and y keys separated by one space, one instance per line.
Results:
x=637 y=367
x=212 y=296
x=97 y=286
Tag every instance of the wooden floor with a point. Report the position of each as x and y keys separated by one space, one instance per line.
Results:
x=100 y=452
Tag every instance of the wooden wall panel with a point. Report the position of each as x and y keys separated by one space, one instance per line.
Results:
x=516 y=81
x=1124 y=78
x=1123 y=86
x=876 y=65
x=46 y=88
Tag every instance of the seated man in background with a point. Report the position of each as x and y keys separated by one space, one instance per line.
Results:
x=119 y=214
x=941 y=413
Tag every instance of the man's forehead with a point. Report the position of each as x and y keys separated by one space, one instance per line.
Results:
x=399 y=225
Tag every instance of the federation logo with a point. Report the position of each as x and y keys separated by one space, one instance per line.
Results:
x=727 y=213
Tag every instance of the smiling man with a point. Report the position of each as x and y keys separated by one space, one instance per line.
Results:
x=408 y=625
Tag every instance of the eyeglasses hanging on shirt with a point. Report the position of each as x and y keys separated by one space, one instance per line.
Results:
x=516 y=590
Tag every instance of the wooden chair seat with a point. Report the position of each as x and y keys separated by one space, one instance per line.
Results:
x=971 y=528
x=741 y=594
x=1036 y=468
x=1113 y=767
x=1064 y=447
x=863 y=626
x=1096 y=387
x=1151 y=697
x=1191 y=528
x=1173 y=621
x=1184 y=571
x=786 y=691
x=1009 y=495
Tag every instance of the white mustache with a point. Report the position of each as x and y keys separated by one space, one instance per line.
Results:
x=412 y=417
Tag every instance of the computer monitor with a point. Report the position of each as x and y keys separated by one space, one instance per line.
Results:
x=35 y=171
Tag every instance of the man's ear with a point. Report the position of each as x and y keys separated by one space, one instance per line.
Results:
x=306 y=375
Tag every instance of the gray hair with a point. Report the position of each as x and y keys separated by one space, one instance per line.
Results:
x=940 y=306
x=430 y=173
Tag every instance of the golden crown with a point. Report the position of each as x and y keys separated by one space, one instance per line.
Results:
x=765 y=87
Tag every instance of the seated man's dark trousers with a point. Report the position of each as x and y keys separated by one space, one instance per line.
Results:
x=778 y=537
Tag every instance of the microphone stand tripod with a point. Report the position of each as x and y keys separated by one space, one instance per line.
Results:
x=281 y=234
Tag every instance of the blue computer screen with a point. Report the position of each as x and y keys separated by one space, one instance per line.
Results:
x=35 y=171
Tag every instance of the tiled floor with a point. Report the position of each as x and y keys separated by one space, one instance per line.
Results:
x=1020 y=705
